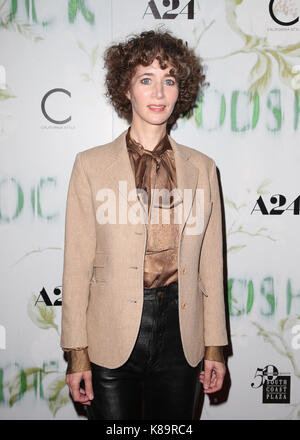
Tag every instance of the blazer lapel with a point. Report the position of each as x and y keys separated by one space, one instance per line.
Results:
x=120 y=169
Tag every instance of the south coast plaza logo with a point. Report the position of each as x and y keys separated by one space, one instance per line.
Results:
x=276 y=386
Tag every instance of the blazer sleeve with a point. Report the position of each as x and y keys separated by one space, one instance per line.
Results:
x=211 y=270
x=79 y=253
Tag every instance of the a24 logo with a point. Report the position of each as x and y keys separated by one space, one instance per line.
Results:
x=280 y=199
x=176 y=8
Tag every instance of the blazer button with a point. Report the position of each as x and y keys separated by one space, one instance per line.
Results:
x=184 y=270
x=183 y=305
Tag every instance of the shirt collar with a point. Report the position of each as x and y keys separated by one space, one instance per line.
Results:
x=160 y=148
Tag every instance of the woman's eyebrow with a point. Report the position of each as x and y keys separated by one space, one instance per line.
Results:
x=150 y=73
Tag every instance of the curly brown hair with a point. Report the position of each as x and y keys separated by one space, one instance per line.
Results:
x=122 y=59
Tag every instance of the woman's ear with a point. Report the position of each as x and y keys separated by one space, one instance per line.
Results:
x=127 y=94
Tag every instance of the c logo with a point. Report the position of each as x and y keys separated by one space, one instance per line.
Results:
x=44 y=110
x=282 y=23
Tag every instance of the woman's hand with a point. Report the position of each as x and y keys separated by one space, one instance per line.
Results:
x=213 y=375
x=79 y=394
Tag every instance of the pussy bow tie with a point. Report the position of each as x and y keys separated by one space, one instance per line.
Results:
x=144 y=160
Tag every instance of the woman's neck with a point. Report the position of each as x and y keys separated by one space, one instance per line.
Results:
x=148 y=136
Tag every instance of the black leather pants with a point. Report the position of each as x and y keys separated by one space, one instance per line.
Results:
x=156 y=382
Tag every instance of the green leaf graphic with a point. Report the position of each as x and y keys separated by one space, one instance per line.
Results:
x=42 y=315
x=57 y=394
x=261 y=73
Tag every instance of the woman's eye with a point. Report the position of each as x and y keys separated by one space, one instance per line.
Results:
x=170 y=82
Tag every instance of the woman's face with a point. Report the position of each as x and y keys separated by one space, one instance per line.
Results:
x=153 y=94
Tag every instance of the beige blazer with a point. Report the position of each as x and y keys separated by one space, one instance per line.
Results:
x=102 y=291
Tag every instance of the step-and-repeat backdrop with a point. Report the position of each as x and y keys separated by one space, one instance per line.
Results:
x=52 y=105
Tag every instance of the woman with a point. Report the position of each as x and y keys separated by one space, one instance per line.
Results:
x=143 y=304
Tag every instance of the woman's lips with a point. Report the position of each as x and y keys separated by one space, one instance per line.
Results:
x=159 y=108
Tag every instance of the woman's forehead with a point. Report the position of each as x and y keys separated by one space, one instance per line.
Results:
x=154 y=66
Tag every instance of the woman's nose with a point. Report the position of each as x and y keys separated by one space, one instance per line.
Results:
x=158 y=90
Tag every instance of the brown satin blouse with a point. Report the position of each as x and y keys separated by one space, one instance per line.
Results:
x=153 y=169
x=156 y=170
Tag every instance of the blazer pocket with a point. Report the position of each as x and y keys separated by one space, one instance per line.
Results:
x=100 y=260
x=202 y=287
